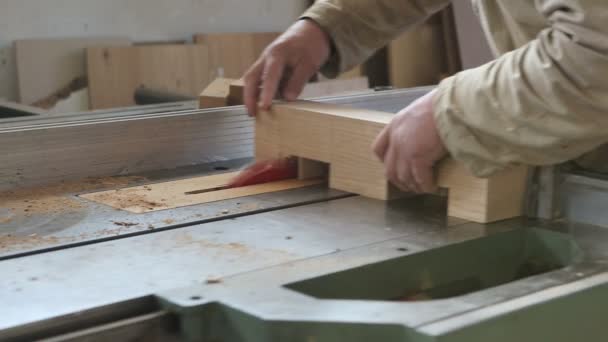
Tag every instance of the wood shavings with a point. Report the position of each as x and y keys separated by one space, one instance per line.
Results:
x=13 y=242
x=129 y=198
x=213 y=281
x=186 y=239
x=241 y=208
x=125 y=224
x=52 y=200
x=55 y=198
x=10 y=241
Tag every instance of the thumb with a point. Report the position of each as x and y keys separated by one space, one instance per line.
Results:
x=380 y=145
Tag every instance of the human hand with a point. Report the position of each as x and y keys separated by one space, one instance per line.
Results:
x=288 y=63
x=410 y=146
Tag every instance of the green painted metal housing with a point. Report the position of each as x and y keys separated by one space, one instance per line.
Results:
x=454 y=272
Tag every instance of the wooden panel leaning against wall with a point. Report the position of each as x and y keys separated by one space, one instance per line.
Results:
x=183 y=69
x=44 y=66
x=425 y=54
x=116 y=72
x=231 y=54
x=422 y=56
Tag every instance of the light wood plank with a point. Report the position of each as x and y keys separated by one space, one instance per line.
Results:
x=186 y=192
x=342 y=137
x=47 y=65
x=417 y=57
x=217 y=94
x=231 y=54
x=115 y=73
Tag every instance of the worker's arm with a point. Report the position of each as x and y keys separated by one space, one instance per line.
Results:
x=334 y=35
x=544 y=103
x=360 y=27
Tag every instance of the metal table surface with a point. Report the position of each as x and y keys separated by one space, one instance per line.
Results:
x=306 y=256
x=27 y=231
x=126 y=268
x=257 y=255
x=51 y=227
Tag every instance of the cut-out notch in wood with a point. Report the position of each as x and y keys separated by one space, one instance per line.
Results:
x=342 y=137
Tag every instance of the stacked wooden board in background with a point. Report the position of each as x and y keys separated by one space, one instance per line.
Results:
x=231 y=54
x=425 y=54
x=116 y=68
x=47 y=65
x=115 y=73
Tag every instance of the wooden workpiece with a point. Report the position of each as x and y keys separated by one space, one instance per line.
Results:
x=230 y=92
x=217 y=94
x=342 y=137
x=222 y=92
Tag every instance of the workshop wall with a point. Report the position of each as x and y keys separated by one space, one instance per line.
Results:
x=140 y=20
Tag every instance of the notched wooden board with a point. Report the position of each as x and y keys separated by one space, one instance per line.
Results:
x=342 y=137
x=186 y=192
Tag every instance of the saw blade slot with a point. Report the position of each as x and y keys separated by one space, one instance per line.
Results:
x=187 y=192
x=202 y=191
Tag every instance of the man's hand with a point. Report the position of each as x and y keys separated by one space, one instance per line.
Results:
x=289 y=62
x=410 y=146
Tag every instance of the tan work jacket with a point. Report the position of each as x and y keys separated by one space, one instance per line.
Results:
x=542 y=101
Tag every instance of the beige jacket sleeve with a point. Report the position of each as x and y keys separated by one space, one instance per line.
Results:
x=360 y=27
x=544 y=103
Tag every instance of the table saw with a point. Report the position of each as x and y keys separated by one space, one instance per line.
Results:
x=299 y=262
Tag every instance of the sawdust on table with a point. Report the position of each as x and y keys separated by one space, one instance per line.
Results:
x=54 y=198
x=10 y=241
x=213 y=280
x=240 y=209
x=185 y=239
x=13 y=242
x=129 y=198
x=124 y=224
x=235 y=249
